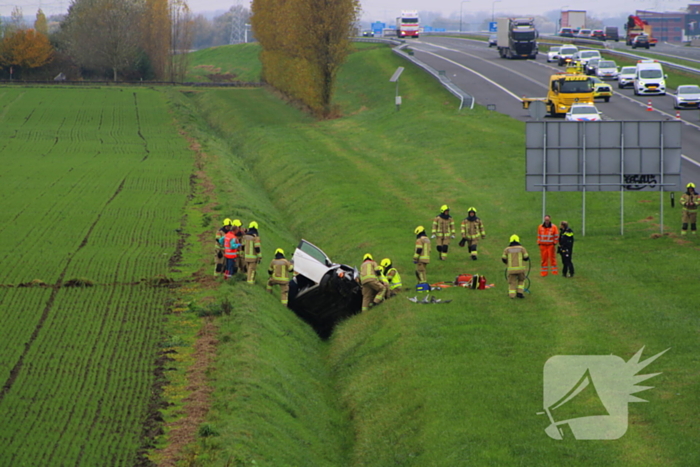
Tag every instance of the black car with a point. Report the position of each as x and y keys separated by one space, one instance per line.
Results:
x=323 y=293
x=640 y=41
x=566 y=32
x=598 y=34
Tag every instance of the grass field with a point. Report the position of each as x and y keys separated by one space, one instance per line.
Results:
x=444 y=385
x=93 y=186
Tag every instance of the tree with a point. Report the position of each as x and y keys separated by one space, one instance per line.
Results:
x=25 y=49
x=156 y=31
x=101 y=33
x=181 y=39
x=41 y=26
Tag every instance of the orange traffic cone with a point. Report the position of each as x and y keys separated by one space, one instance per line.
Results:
x=678 y=114
x=649 y=109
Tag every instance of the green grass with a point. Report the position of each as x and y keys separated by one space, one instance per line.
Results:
x=443 y=385
x=240 y=62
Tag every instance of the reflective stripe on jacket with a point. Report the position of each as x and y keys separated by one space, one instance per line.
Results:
x=423 y=244
x=515 y=256
x=251 y=247
x=231 y=246
x=472 y=229
x=280 y=269
x=394 y=278
x=443 y=227
x=368 y=271
x=690 y=202
x=547 y=235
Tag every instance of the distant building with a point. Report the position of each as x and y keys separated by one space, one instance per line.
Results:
x=674 y=26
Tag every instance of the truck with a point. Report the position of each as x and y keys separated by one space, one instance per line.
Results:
x=636 y=26
x=611 y=34
x=574 y=19
x=407 y=25
x=564 y=89
x=517 y=38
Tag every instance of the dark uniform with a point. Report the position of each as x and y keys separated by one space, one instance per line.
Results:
x=566 y=248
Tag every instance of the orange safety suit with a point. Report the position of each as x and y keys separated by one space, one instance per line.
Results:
x=547 y=238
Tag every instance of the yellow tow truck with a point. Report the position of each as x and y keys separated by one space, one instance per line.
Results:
x=564 y=89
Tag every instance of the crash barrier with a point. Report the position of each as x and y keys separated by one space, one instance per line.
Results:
x=464 y=98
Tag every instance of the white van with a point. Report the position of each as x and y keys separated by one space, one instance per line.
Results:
x=649 y=78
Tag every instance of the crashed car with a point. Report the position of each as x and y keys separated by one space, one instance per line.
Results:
x=322 y=292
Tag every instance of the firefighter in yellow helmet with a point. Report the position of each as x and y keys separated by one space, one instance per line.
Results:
x=514 y=256
x=238 y=230
x=421 y=254
x=219 y=259
x=472 y=229
x=444 y=230
x=252 y=251
x=372 y=289
x=689 y=201
x=392 y=276
x=279 y=271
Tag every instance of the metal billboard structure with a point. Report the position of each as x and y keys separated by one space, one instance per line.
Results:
x=603 y=156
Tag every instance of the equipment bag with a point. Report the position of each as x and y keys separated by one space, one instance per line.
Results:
x=423 y=287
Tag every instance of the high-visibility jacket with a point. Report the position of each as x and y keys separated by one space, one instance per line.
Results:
x=472 y=228
x=515 y=255
x=231 y=245
x=566 y=240
x=394 y=278
x=443 y=226
x=690 y=202
x=368 y=271
x=279 y=269
x=422 y=252
x=251 y=247
x=547 y=235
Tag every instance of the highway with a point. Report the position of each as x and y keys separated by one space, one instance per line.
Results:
x=478 y=70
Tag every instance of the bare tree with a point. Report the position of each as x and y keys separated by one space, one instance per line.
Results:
x=102 y=33
x=181 y=39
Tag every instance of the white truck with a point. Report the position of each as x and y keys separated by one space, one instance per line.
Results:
x=574 y=19
x=408 y=25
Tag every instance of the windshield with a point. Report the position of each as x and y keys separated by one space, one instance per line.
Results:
x=523 y=35
x=590 y=54
x=689 y=90
x=409 y=20
x=584 y=109
x=554 y=49
x=607 y=65
x=567 y=51
x=650 y=74
x=571 y=87
x=628 y=70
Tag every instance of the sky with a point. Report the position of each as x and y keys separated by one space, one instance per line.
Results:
x=387 y=10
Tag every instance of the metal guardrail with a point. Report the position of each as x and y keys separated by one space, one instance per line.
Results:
x=444 y=80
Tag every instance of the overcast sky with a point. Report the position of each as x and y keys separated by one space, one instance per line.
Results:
x=385 y=10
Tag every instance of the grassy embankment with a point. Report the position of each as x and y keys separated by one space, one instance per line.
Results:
x=456 y=384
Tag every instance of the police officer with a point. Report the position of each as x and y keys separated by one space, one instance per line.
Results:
x=566 y=248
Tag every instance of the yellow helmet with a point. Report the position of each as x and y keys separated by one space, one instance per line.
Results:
x=690 y=185
x=236 y=223
x=253 y=225
x=444 y=208
x=472 y=208
x=227 y=221
x=386 y=262
x=514 y=238
x=419 y=229
x=279 y=251
x=367 y=256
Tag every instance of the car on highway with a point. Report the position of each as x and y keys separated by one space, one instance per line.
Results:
x=591 y=65
x=584 y=34
x=626 y=76
x=553 y=54
x=493 y=40
x=687 y=96
x=607 y=69
x=585 y=55
x=641 y=40
x=566 y=32
x=367 y=33
x=601 y=90
x=598 y=34
x=583 y=113
x=649 y=78
x=566 y=54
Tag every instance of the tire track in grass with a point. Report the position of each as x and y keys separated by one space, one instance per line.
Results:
x=14 y=373
x=138 y=126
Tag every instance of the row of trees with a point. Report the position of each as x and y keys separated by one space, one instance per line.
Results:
x=304 y=42
x=145 y=39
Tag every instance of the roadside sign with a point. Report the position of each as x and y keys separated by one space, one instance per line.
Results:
x=493 y=26
x=537 y=110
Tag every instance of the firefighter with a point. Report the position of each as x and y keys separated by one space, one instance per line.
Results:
x=372 y=289
x=252 y=251
x=237 y=227
x=219 y=260
x=547 y=237
x=421 y=255
x=231 y=246
x=444 y=230
x=472 y=229
x=279 y=275
x=392 y=276
x=514 y=256
x=566 y=248
x=689 y=201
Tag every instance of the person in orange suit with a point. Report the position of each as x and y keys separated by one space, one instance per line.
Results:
x=547 y=238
